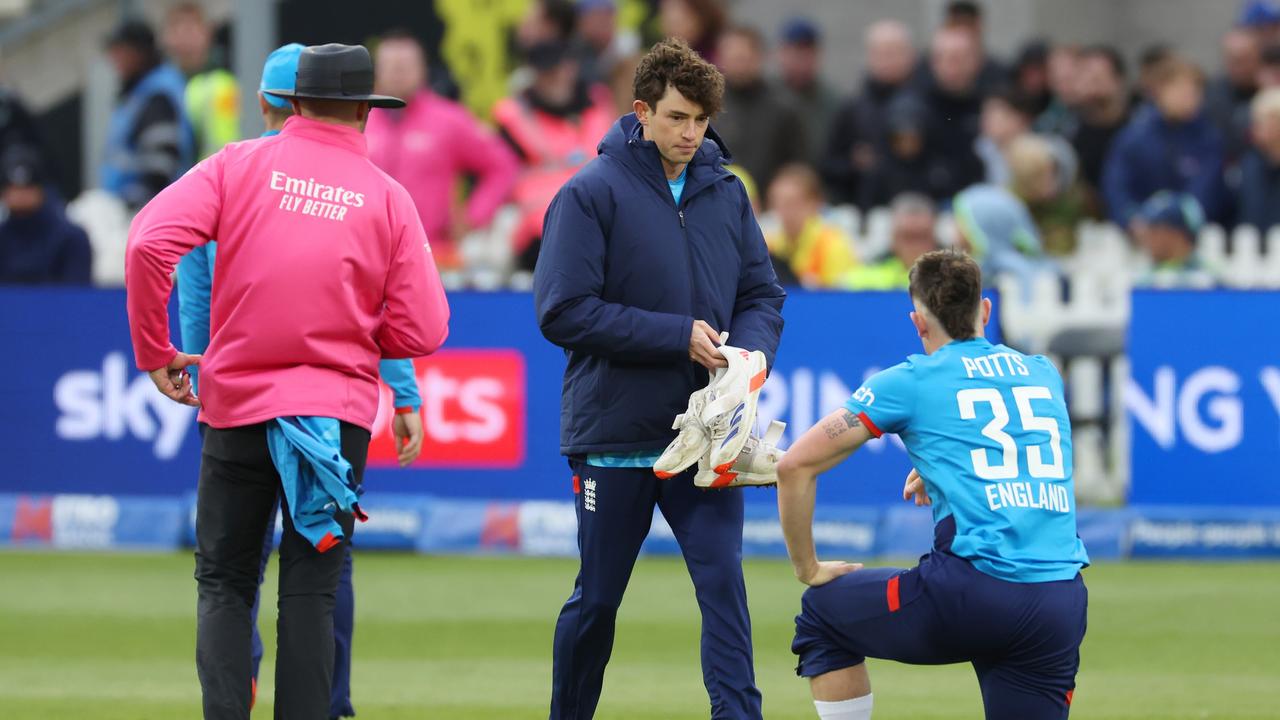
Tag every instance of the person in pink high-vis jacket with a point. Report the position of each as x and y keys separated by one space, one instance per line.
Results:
x=432 y=144
x=323 y=269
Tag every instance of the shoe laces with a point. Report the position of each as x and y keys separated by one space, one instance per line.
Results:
x=693 y=415
x=720 y=426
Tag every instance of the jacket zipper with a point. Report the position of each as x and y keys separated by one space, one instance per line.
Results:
x=688 y=251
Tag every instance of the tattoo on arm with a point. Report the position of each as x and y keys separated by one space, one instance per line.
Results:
x=836 y=428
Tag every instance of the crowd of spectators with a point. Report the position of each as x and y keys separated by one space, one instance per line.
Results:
x=1018 y=153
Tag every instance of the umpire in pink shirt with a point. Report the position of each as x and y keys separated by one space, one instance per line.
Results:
x=323 y=269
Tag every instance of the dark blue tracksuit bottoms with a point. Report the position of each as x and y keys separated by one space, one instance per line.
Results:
x=615 y=511
x=344 y=616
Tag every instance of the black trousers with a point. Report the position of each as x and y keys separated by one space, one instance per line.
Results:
x=238 y=489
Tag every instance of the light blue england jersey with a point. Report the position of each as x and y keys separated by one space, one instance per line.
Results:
x=987 y=428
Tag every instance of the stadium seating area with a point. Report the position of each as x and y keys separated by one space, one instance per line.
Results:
x=1064 y=127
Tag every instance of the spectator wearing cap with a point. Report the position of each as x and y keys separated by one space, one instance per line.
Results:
x=17 y=128
x=554 y=126
x=149 y=141
x=1263 y=18
x=854 y=141
x=912 y=235
x=800 y=67
x=1260 y=168
x=1029 y=74
x=1169 y=224
x=1168 y=145
x=544 y=23
x=38 y=244
x=212 y=97
x=1228 y=95
x=906 y=159
x=814 y=252
x=758 y=122
x=431 y=144
x=1102 y=112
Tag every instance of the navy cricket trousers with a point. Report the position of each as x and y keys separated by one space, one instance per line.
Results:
x=615 y=511
x=1023 y=639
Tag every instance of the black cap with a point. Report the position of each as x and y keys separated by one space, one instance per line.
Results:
x=133 y=33
x=800 y=31
x=21 y=165
x=1035 y=52
x=336 y=72
x=905 y=113
x=546 y=54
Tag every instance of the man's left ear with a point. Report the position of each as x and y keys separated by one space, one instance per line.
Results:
x=921 y=326
x=986 y=311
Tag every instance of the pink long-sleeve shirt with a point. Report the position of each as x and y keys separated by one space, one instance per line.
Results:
x=428 y=146
x=323 y=269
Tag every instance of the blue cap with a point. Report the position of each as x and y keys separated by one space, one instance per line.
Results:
x=589 y=5
x=1176 y=210
x=1258 y=13
x=280 y=72
x=800 y=31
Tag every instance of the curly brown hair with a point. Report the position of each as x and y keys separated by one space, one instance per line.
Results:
x=949 y=283
x=672 y=62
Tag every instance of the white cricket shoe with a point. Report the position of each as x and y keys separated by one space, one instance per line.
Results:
x=757 y=464
x=730 y=410
x=694 y=440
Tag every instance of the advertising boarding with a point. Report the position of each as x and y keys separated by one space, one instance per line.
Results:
x=81 y=419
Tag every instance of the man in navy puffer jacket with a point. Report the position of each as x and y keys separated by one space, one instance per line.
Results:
x=1168 y=145
x=648 y=253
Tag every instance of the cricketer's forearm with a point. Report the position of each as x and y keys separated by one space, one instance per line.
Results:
x=819 y=449
x=797 y=493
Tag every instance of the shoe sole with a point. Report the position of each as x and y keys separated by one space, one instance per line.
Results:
x=718 y=481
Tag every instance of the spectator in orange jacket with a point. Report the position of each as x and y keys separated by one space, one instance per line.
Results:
x=811 y=251
x=554 y=126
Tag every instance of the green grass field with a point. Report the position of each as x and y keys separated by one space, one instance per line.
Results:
x=109 y=636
